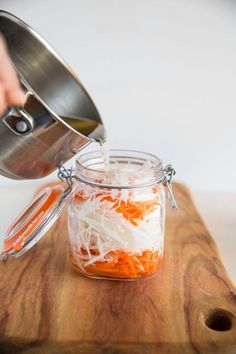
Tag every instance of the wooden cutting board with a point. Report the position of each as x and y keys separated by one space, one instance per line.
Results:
x=188 y=306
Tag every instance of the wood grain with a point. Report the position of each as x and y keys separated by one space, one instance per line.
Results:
x=46 y=307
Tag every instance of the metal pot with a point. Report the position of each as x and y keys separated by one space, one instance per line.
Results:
x=58 y=118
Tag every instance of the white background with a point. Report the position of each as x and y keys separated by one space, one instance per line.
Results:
x=163 y=76
x=162 y=73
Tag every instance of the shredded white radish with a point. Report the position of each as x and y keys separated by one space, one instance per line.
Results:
x=95 y=225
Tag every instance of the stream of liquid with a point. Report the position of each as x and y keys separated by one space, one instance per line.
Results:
x=94 y=130
x=105 y=154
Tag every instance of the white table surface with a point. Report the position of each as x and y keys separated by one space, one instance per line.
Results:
x=216 y=208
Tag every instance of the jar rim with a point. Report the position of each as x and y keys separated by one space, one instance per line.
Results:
x=90 y=169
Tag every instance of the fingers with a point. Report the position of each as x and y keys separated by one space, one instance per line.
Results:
x=3 y=103
x=14 y=95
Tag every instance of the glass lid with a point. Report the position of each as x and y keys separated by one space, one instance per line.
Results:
x=35 y=220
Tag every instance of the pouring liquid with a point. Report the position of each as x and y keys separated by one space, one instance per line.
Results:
x=91 y=129
x=87 y=127
x=105 y=154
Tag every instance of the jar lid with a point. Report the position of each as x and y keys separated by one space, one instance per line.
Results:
x=36 y=219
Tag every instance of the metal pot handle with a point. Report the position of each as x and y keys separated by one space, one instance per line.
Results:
x=18 y=120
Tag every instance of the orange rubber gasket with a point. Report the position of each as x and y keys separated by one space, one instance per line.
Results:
x=17 y=241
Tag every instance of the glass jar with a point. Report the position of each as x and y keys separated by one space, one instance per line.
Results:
x=116 y=214
x=116 y=217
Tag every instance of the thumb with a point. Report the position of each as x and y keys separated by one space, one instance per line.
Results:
x=15 y=96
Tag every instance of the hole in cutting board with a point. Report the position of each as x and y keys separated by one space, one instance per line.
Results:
x=219 y=320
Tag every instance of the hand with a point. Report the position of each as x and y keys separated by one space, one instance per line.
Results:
x=11 y=92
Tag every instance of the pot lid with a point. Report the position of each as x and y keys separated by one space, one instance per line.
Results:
x=35 y=220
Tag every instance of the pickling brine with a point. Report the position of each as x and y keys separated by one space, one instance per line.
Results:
x=117 y=215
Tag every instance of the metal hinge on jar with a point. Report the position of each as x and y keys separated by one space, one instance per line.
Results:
x=169 y=172
x=66 y=175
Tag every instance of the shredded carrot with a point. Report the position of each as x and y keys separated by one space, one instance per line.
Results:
x=79 y=197
x=122 y=264
x=119 y=264
x=132 y=211
x=135 y=211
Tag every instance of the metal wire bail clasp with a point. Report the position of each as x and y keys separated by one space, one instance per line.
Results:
x=66 y=175
x=169 y=172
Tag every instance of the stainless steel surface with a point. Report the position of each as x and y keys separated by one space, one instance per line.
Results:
x=53 y=92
